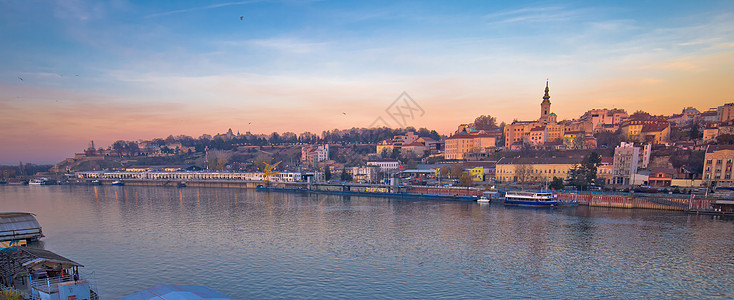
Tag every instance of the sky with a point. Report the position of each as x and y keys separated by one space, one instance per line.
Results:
x=73 y=71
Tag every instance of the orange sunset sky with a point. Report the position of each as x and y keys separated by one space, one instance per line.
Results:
x=75 y=71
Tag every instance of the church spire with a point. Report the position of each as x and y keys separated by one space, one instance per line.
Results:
x=546 y=97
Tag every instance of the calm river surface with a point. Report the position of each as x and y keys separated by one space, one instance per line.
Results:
x=257 y=245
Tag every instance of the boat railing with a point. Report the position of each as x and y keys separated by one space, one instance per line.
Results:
x=50 y=285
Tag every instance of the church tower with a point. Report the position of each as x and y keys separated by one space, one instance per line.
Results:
x=545 y=105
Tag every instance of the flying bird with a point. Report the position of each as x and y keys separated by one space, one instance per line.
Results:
x=242 y=18
x=21 y=79
x=344 y=113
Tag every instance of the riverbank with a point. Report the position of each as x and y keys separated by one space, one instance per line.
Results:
x=426 y=193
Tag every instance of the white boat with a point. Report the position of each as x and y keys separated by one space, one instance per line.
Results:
x=483 y=199
x=118 y=182
x=38 y=181
x=541 y=199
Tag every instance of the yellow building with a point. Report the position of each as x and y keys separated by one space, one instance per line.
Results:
x=477 y=173
x=458 y=145
x=649 y=131
x=717 y=168
x=532 y=169
x=385 y=146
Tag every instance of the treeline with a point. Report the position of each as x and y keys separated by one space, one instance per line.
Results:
x=22 y=169
x=336 y=136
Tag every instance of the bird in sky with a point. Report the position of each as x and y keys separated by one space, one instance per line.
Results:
x=344 y=113
x=242 y=18
x=21 y=79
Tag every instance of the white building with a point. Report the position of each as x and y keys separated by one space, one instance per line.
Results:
x=626 y=160
x=311 y=155
x=366 y=174
x=386 y=165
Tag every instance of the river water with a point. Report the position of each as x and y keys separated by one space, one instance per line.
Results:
x=258 y=245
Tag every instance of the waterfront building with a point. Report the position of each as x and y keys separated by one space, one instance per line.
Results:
x=459 y=145
x=182 y=176
x=365 y=174
x=386 y=165
x=605 y=170
x=717 y=169
x=534 y=169
x=626 y=160
x=661 y=177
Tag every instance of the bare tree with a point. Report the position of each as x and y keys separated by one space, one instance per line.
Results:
x=523 y=174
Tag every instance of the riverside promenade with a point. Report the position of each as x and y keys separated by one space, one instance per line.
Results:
x=632 y=201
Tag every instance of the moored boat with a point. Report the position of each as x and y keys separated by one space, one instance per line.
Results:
x=118 y=182
x=532 y=199
x=38 y=181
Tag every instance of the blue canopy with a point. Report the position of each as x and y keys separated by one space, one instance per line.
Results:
x=175 y=292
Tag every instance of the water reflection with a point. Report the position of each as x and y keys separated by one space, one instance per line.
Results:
x=250 y=244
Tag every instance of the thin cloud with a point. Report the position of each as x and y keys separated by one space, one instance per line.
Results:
x=532 y=15
x=185 y=10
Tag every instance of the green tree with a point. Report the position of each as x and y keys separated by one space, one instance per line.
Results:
x=583 y=175
x=695 y=132
x=485 y=122
x=327 y=173
x=640 y=115
x=557 y=183
x=346 y=177
x=725 y=139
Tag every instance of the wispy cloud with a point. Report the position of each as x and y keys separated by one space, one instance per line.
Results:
x=532 y=15
x=186 y=10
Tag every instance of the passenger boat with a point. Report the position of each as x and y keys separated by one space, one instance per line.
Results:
x=483 y=199
x=118 y=182
x=533 y=199
x=38 y=181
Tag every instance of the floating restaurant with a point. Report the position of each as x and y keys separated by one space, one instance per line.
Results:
x=17 y=228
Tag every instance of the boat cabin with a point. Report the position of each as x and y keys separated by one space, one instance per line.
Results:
x=42 y=274
x=725 y=206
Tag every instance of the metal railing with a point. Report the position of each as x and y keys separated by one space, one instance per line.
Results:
x=50 y=285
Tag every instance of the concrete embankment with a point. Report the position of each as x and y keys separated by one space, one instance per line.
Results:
x=619 y=201
x=421 y=192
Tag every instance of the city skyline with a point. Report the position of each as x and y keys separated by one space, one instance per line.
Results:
x=76 y=71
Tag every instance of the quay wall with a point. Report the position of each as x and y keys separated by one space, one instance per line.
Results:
x=597 y=200
x=618 y=201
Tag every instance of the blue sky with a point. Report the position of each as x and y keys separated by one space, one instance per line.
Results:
x=142 y=69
